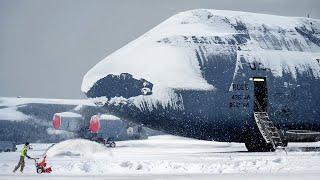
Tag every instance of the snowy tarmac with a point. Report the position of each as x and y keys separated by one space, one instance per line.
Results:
x=166 y=157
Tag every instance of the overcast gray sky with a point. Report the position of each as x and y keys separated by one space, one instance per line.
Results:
x=46 y=47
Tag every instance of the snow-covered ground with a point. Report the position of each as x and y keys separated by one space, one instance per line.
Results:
x=166 y=157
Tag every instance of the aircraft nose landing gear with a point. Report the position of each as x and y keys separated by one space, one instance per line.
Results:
x=107 y=142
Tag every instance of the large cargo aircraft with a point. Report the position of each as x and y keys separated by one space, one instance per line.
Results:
x=218 y=75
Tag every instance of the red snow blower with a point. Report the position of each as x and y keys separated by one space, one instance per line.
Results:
x=41 y=167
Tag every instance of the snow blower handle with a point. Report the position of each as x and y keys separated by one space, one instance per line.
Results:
x=35 y=160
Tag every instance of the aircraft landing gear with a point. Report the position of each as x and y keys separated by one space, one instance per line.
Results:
x=259 y=147
x=111 y=144
x=107 y=142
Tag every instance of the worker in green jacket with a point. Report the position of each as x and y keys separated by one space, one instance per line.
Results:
x=23 y=154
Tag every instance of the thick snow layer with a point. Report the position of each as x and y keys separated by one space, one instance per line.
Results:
x=273 y=40
x=195 y=16
x=68 y=114
x=162 y=156
x=284 y=61
x=11 y=113
x=11 y=101
x=164 y=96
x=109 y=117
x=175 y=62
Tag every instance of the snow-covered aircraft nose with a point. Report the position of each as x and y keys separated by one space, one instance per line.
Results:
x=168 y=73
x=152 y=67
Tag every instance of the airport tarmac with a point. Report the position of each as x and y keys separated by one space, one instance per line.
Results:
x=166 y=157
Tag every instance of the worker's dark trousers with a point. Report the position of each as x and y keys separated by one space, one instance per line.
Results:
x=20 y=164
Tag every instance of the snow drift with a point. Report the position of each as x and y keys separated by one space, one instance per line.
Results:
x=76 y=147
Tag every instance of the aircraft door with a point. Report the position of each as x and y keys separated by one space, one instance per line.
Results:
x=260 y=94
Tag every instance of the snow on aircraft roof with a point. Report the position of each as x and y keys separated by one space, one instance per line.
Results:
x=68 y=114
x=11 y=113
x=12 y=101
x=109 y=117
x=176 y=65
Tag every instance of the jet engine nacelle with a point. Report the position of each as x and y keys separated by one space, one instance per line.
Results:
x=68 y=121
x=109 y=126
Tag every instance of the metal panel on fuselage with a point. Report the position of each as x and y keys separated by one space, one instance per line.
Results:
x=224 y=114
x=293 y=103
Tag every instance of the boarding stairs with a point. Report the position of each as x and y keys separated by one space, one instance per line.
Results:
x=268 y=130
